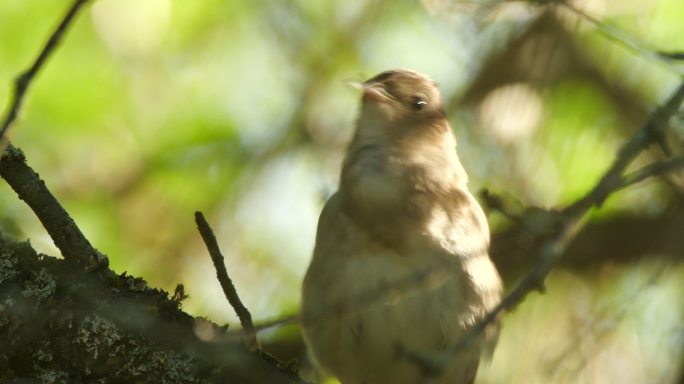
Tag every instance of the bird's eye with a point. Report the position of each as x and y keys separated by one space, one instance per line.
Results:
x=417 y=103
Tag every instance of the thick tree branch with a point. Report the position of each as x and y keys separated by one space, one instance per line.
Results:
x=24 y=80
x=98 y=298
x=110 y=328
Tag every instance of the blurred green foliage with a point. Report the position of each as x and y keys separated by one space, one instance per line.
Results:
x=153 y=110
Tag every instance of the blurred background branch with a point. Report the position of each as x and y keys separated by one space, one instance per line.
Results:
x=23 y=81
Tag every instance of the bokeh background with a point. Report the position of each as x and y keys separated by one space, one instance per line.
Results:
x=154 y=109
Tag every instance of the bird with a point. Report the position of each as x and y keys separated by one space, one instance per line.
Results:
x=400 y=260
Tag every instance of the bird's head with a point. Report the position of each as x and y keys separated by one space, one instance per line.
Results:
x=401 y=97
x=402 y=139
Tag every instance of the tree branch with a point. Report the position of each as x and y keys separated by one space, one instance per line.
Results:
x=226 y=283
x=653 y=169
x=24 y=80
x=645 y=49
x=649 y=134
x=59 y=225
x=111 y=328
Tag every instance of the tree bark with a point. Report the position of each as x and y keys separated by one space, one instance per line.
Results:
x=61 y=325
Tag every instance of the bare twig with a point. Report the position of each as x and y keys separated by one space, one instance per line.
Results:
x=495 y=202
x=225 y=281
x=571 y=219
x=653 y=169
x=59 y=225
x=268 y=324
x=675 y=55
x=671 y=59
x=23 y=81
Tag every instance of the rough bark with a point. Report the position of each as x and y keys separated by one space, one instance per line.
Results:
x=61 y=325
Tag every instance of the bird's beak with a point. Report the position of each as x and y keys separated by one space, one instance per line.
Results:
x=372 y=91
x=355 y=84
x=375 y=92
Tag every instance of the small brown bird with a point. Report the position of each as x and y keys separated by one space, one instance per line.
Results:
x=401 y=250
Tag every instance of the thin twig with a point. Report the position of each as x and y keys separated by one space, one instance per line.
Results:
x=71 y=242
x=674 y=55
x=572 y=216
x=653 y=169
x=495 y=202
x=629 y=42
x=268 y=324
x=24 y=80
x=225 y=281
